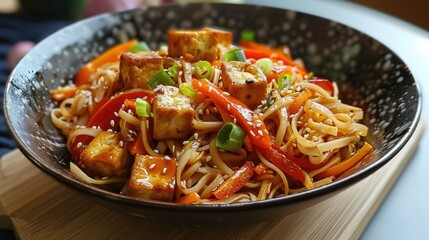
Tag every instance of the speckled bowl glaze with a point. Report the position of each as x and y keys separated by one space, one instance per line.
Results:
x=368 y=74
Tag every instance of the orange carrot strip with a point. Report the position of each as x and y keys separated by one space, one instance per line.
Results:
x=343 y=166
x=111 y=55
x=300 y=100
x=190 y=198
x=261 y=168
x=61 y=94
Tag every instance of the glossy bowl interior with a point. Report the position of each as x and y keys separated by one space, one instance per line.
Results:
x=368 y=74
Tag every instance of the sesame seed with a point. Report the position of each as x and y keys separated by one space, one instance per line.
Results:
x=152 y=166
x=123 y=106
x=210 y=89
x=260 y=132
x=121 y=143
x=104 y=178
x=183 y=182
x=215 y=109
x=164 y=170
x=208 y=158
x=79 y=144
x=207 y=111
x=109 y=130
x=185 y=142
x=130 y=112
x=147 y=124
x=167 y=157
x=258 y=125
x=116 y=114
x=226 y=93
x=228 y=107
x=234 y=120
x=250 y=123
x=196 y=135
x=315 y=138
x=173 y=148
x=112 y=123
x=253 y=134
x=156 y=150
x=200 y=112
x=200 y=84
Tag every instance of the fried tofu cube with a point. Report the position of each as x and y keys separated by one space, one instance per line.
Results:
x=136 y=69
x=106 y=156
x=152 y=178
x=205 y=44
x=245 y=81
x=173 y=114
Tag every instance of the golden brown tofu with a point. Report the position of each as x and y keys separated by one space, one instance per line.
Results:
x=106 y=156
x=173 y=114
x=136 y=69
x=205 y=44
x=152 y=178
x=245 y=81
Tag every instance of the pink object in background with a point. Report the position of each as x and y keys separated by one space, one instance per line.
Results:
x=17 y=52
x=94 y=7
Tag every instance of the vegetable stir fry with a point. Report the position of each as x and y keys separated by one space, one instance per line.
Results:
x=206 y=121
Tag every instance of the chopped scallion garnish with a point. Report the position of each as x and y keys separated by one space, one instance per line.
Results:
x=140 y=47
x=310 y=75
x=230 y=137
x=161 y=77
x=173 y=70
x=142 y=108
x=235 y=55
x=284 y=82
x=187 y=89
x=265 y=64
x=203 y=69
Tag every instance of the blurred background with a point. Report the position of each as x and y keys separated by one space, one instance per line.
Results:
x=414 y=11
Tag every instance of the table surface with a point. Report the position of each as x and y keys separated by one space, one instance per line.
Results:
x=405 y=212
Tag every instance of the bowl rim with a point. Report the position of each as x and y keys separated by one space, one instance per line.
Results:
x=209 y=208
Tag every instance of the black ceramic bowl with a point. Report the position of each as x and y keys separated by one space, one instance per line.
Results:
x=368 y=74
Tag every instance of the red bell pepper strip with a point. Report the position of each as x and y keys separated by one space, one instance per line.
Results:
x=252 y=124
x=276 y=156
x=256 y=131
x=105 y=117
x=235 y=182
x=302 y=162
x=111 y=55
x=323 y=83
x=299 y=100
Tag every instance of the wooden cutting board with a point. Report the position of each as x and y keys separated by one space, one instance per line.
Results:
x=36 y=206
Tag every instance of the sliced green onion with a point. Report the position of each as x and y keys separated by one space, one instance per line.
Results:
x=163 y=49
x=247 y=35
x=230 y=137
x=265 y=64
x=235 y=55
x=161 y=77
x=310 y=75
x=142 y=108
x=187 y=89
x=140 y=47
x=284 y=82
x=203 y=69
x=173 y=70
